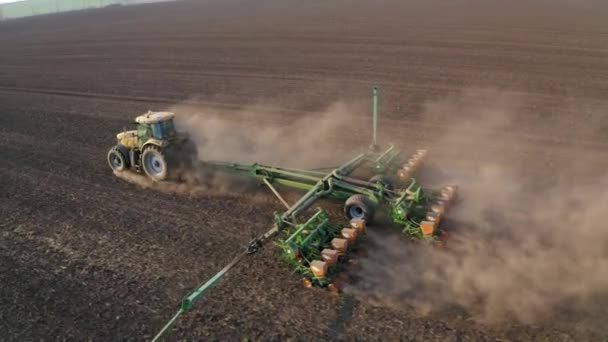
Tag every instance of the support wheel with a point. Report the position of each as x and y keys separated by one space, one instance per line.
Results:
x=117 y=160
x=359 y=207
x=154 y=163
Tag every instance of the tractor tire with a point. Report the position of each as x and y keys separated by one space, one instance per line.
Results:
x=117 y=160
x=387 y=182
x=154 y=163
x=359 y=207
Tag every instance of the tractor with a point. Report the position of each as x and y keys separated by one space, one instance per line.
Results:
x=155 y=148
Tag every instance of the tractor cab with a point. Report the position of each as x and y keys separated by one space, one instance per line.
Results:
x=152 y=125
x=155 y=125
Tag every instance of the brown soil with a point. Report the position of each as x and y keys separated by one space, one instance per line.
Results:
x=85 y=255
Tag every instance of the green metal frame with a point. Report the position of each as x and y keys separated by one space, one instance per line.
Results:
x=337 y=184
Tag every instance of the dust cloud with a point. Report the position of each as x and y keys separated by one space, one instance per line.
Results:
x=194 y=182
x=528 y=234
x=141 y=180
x=529 y=240
x=259 y=134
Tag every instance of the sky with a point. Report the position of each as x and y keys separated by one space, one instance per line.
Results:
x=7 y=1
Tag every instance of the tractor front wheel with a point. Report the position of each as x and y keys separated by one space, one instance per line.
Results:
x=359 y=207
x=117 y=160
x=154 y=163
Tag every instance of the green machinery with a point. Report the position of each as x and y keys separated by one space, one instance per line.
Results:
x=318 y=245
x=409 y=206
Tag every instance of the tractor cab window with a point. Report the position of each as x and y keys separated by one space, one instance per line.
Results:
x=143 y=132
x=163 y=130
x=169 y=128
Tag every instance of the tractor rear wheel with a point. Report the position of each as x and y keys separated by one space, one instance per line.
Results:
x=359 y=207
x=117 y=160
x=154 y=163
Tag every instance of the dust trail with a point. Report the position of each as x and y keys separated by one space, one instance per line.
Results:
x=143 y=181
x=292 y=139
x=194 y=182
x=530 y=239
